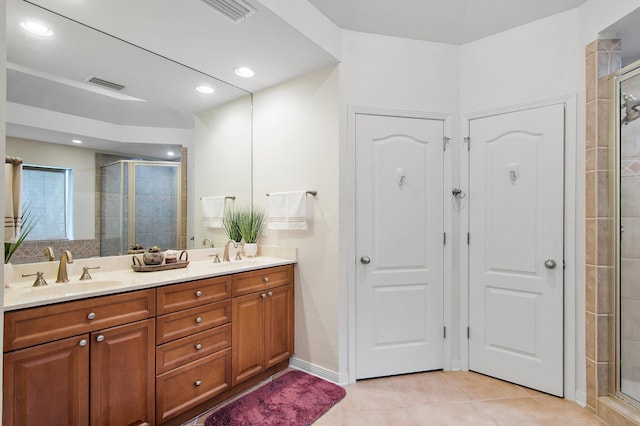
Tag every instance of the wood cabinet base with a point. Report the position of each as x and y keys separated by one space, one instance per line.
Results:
x=201 y=408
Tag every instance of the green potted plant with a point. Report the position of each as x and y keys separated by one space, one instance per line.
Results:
x=251 y=224
x=230 y=223
x=28 y=222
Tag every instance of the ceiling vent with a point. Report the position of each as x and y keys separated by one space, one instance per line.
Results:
x=104 y=83
x=234 y=10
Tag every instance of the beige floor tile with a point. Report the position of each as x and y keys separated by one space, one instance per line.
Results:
x=378 y=394
x=333 y=417
x=395 y=417
x=519 y=411
x=426 y=388
x=480 y=387
x=464 y=413
x=570 y=411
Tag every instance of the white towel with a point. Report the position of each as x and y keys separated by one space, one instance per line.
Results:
x=212 y=211
x=288 y=210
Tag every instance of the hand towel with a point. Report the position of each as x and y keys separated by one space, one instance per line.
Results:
x=288 y=210
x=12 y=198
x=212 y=211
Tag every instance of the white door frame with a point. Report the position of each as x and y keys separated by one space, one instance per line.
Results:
x=350 y=221
x=571 y=333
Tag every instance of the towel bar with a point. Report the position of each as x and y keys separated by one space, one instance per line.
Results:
x=313 y=193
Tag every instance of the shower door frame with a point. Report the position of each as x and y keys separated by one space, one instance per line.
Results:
x=626 y=73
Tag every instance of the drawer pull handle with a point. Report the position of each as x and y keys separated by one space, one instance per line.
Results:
x=91 y=316
x=198 y=346
x=199 y=320
x=198 y=383
x=270 y=293
x=263 y=295
x=100 y=338
x=198 y=293
x=83 y=343
x=265 y=279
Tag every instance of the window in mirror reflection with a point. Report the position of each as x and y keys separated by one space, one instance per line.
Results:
x=47 y=193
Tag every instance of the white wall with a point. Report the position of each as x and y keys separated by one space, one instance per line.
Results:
x=83 y=163
x=295 y=147
x=221 y=161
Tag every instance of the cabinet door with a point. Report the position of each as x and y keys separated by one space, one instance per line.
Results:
x=247 y=336
x=47 y=384
x=122 y=374
x=278 y=325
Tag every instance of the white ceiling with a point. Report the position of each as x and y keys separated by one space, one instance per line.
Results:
x=444 y=21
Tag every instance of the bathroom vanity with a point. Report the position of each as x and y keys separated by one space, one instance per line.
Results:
x=159 y=351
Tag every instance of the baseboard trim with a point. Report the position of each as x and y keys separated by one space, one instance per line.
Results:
x=581 y=397
x=316 y=370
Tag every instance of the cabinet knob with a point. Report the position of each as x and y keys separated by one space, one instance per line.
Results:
x=199 y=320
x=198 y=346
x=197 y=383
x=265 y=279
x=263 y=295
x=198 y=293
x=83 y=343
x=100 y=338
x=270 y=293
x=91 y=316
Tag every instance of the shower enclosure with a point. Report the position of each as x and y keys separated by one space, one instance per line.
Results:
x=139 y=204
x=626 y=155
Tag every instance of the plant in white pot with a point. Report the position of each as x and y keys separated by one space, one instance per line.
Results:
x=230 y=223
x=251 y=223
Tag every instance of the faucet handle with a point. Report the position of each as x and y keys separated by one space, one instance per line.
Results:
x=85 y=273
x=39 y=282
x=216 y=257
x=238 y=257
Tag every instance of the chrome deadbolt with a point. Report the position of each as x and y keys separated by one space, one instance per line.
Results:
x=365 y=260
x=550 y=263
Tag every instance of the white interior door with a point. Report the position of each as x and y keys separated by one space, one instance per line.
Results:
x=516 y=247
x=399 y=245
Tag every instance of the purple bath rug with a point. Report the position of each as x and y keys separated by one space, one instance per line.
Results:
x=293 y=399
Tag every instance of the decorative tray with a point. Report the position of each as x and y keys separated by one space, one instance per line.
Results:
x=139 y=266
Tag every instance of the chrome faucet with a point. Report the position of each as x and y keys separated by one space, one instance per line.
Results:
x=225 y=254
x=204 y=242
x=65 y=258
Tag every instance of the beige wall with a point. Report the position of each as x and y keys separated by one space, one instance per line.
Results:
x=295 y=147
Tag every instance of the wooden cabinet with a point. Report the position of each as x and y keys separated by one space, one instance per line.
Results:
x=193 y=357
x=262 y=323
x=79 y=379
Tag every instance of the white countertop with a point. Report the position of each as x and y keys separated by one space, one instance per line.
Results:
x=116 y=276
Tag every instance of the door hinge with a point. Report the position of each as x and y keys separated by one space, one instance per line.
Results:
x=445 y=141
x=467 y=140
x=444 y=239
x=444 y=332
x=468 y=333
x=468 y=238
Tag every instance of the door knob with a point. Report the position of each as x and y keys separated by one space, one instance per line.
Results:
x=550 y=263
x=365 y=260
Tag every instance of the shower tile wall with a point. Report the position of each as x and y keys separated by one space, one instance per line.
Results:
x=156 y=206
x=602 y=58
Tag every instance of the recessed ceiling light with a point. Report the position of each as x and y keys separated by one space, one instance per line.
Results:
x=170 y=153
x=36 y=28
x=244 y=72
x=76 y=141
x=203 y=88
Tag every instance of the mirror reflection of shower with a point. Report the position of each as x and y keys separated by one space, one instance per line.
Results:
x=630 y=105
x=139 y=204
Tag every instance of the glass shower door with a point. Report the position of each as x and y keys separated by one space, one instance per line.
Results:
x=628 y=260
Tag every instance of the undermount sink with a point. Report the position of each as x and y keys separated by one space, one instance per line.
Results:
x=63 y=289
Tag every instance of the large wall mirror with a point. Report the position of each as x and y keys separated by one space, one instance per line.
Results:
x=124 y=103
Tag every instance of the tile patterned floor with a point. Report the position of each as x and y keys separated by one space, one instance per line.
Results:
x=447 y=398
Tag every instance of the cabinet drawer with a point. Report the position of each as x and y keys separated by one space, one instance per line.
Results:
x=187 y=386
x=176 y=297
x=182 y=351
x=180 y=324
x=250 y=282
x=33 y=326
